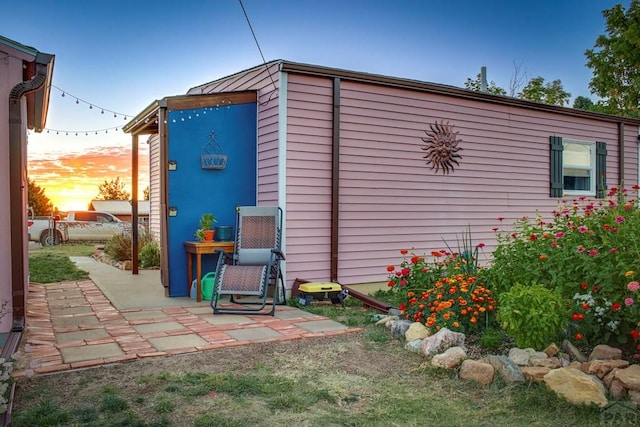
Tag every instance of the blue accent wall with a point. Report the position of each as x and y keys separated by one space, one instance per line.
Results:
x=193 y=190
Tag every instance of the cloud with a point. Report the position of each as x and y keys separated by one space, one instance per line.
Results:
x=71 y=179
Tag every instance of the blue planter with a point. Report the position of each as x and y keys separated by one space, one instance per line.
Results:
x=224 y=234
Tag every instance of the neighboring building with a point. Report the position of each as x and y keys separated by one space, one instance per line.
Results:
x=25 y=80
x=122 y=209
x=343 y=153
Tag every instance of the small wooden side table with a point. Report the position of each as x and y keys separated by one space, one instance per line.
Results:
x=198 y=249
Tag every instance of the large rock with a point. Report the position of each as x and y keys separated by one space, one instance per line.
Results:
x=477 y=371
x=576 y=386
x=617 y=389
x=521 y=356
x=534 y=373
x=547 y=362
x=399 y=327
x=605 y=352
x=572 y=351
x=551 y=350
x=600 y=368
x=440 y=341
x=634 y=396
x=630 y=377
x=416 y=331
x=450 y=358
x=414 y=346
x=506 y=369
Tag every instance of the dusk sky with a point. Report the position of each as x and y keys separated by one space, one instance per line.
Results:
x=119 y=56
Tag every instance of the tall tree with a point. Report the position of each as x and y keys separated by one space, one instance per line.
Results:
x=477 y=86
x=615 y=61
x=583 y=103
x=550 y=93
x=38 y=200
x=112 y=190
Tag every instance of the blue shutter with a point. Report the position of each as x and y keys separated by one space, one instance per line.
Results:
x=556 y=183
x=601 y=169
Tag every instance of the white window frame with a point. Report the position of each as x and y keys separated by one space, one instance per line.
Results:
x=592 y=168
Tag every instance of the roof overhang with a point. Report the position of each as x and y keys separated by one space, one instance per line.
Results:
x=34 y=61
x=146 y=122
x=298 y=68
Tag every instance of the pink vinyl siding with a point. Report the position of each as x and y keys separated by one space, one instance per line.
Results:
x=309 y=148
x=390 y=200
x=266 y=82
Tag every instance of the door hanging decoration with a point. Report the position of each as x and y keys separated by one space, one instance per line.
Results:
x=441 y=147
x=212 y=156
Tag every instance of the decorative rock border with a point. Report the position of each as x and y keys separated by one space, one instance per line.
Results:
x=596 y=379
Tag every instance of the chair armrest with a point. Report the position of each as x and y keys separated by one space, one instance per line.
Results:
x=278 y=253
x=222 y=256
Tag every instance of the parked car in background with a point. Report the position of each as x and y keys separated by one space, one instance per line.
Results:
x=77 y=226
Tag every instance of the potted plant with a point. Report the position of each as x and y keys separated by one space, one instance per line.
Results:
x=205 y=232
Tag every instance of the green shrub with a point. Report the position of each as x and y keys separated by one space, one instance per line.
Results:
x=587 y=251
x=533 y=315
x=119 y=246
x=150 y=255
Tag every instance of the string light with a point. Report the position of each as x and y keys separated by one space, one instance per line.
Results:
x=186 y=115
x=85 y=132
x=91 y=104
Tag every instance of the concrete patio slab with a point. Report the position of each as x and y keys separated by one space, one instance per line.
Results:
x=158 y=327
x=145 y=315
x=71 y=310
x=80 y=321
x=90 y=334
x=227 y=319
x=177 y=342
x=254 y=334
x=90 y=352
x=321 y=325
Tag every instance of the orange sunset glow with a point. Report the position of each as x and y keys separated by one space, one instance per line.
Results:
x=71 y=180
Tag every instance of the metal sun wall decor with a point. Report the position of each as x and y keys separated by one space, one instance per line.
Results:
x=441 y=147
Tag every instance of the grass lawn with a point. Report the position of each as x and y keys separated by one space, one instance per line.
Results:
x=52 y=264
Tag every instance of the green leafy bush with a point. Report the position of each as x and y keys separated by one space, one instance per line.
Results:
x=119 y=246
x=587 y=252
x=150 y=255
x=533 y=315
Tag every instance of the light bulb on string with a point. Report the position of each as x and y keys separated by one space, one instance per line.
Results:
x=102 y=112
x=90 y=107
x=63 y=94
x=77 y=101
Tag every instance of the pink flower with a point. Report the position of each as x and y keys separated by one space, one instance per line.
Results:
x=633 y=286
x=559 y=235
x=481 y=245
x=615 y=229
x=500 y=218
x=613 y=250
x=495 y=228
x=620 y=219
x=628 y=301
x=554 y=244
x=583 y=229
x=593 y=252
x=581 y=249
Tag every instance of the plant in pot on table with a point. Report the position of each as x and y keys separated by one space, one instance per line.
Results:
x=205 y=232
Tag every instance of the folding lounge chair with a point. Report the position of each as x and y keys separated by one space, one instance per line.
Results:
x=255 y=264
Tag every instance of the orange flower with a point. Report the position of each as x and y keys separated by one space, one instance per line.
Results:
x=446 y=316
x=421 y=307
x=456 y=324
x=404 y=251
x=473 y=320
x=543 y=257
x=390 y=268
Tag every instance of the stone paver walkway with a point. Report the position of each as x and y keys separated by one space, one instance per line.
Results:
x=73 y=325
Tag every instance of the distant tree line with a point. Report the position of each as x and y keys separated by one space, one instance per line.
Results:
x=614 y=59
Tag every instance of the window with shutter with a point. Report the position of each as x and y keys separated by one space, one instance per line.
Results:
x=577 y=167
